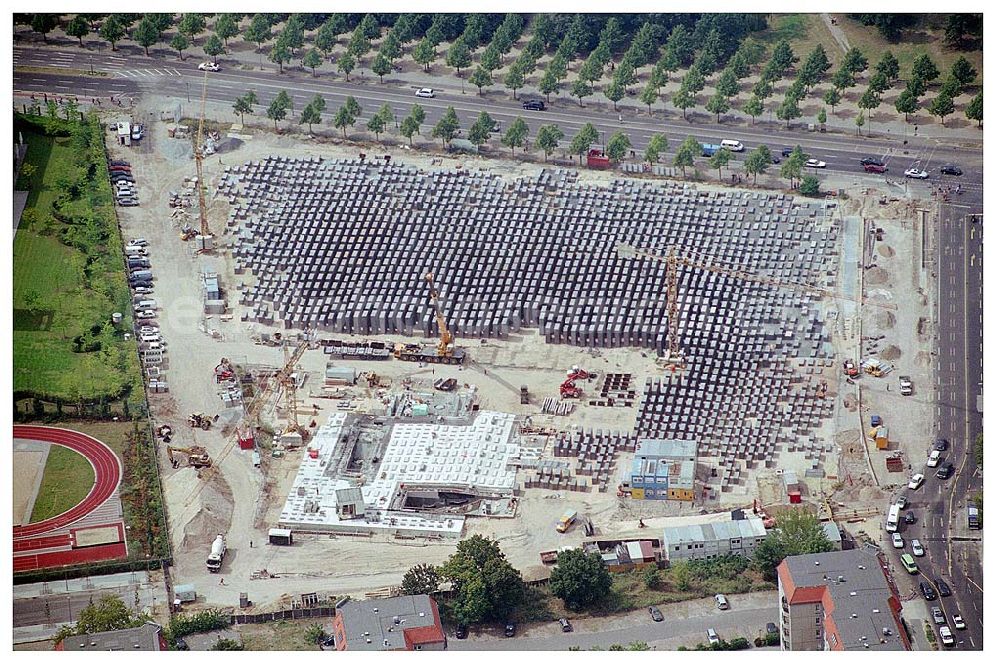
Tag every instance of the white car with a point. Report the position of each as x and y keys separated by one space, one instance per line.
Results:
x=947 y=638
x=425 y=92
x=139 y=242
x=145 y=314
x=897 y=540
x=148 y=330
x=915 y=481
x=918 y=548
x=143 y=290
x=915 y=173
x=713 y=637
x=934 y=459
x=959 y=621
x=208 y=67
x=816 y=164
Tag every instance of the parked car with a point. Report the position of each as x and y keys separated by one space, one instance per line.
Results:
x=928 y=591
x=148 y=330
x=772 y=628
x=128 y=203
x=934 y=458
x=208 y=67
x=721 y=602
x=566 y=626
x=138 y=131
x=901 y=501
x=533 y=105
x=915 y=481
x=909 y=518
x=897 y=540
x=461 y=631
x=937 y=615
x=915 y=172
x=145 y=314
x=816 y=164
x=118 y=163
x=143 y=290
x=138 y=242
x=951 y=170
x=943 y=589
x=875 y=168
x=944 y=472
x=958 y=620
x=510 y=629
x=786 y=152
x=947 y=638
x=908 y=563
x=917 y=547
x=940 y=444
x=905 y=385
x=713 y=637
x=655 y=613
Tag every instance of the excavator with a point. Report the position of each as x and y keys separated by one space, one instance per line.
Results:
x=446 y=351
x=197 y=456
x=200 y=420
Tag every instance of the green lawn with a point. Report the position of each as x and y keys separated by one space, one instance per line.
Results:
x=67 y=479
x=68 y=279
x=803 y=32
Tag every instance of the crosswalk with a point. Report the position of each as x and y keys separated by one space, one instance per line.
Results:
x=147 y=73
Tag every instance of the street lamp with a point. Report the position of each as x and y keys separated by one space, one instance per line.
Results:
x=187 y=84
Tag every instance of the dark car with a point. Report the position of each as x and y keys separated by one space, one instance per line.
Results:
x=772 y=628
x=785 y=152
x=655 y=613
x=944 y=472
x=181 y=644
x=943 y=589
x=566 y=626
x=775 y=159
x=865 y=161
x=533 y=105
x=940 y=444
x=875 y=168
x=928 y=592
x=461 y=631
x=951 y=170
x=119 y=163
x=510 y=629
x=909 y=518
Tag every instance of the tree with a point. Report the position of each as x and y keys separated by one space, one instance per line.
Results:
x=278 y=109
x=728 y=85
x=618 y=145
x=549 y=83
x=352 y=107
x=753 y=107
x=757 y=162
x=720 y=159
x=651 y=578
x=214 y=47
x=79 y=28
x=843 y=79
x=485 y=585
x=447 y=128
x=859 y=121
x=854 y=61
x=657 y=144
x=459 y=56
x=359 y=43
x=809 y=186
x=821 y=117
x=961 y=26
x=963 y=71
x=889 y=66
x=418 y=114
x=408 y=128
x=146 y=34
x=547 y=139
x=974 y=111
x=109 y=613
x=424 y=53
x=797 y=532
x=490 y=59
x=717 y=104
x=942 y=106
x=614 y=91
x=831 y=98
x=344 y=119
x=581 y=89
x=280 y=53
x=376 y=124
x=584 y=139
x=381 y=66
x=868 y=102
x=879 y=82
x=227 y=644
x=326 y=37
x=225 y=28
x=310 y=116
x=420 y=579
x=816 y=64
x=906 y=104
x=783 y=57
x=179 y=43
x=112 y=31
x=191 y=25
x=43 y=24
x=580 y=579
x=788 y=111
x=259 y=30
x=514 y=78
x=480 y=131
x=683 y=99
x=924 y=69
x=481 y=78
x=242 y=107
x=694 y=80
x=346 y=63
x=312 y=59
x=791 y=168
x=516 y=134
x=684 y=157
x=391 y=47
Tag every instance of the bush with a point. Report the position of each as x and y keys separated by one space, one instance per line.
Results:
x=651 y=577
x=182 y=625
x=315 y=633
x=772 y=638
x=227 y=644
x=809 y=186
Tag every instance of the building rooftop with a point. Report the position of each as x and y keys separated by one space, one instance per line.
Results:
x=714 y=531
x=396 y=623
x=856 y=593
x=142 y=638
x=667 y=448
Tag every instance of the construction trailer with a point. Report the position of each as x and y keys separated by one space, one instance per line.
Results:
x=279 y=537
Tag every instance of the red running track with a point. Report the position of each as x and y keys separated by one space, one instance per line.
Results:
x=107 y=475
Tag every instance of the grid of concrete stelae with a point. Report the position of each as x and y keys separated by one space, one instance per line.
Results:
x=343 y=246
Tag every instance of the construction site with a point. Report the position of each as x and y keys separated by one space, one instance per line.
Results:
x=383 y=354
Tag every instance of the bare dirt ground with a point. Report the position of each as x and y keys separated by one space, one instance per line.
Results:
x=28 y=467
x=242 y=501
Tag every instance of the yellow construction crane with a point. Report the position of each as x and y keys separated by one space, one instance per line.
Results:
x=288 y=382
x=444 y=344
x=445 y=352
x=672 y=260
x=205 y=242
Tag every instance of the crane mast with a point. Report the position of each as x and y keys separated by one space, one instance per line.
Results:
x=446 y=337
x=204 y=242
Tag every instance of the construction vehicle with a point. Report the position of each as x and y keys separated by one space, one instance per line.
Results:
x=187 y=232
x=565 y=520
x=214 y=561
x=525 y=399
x=569 y=389
x=446 y=384
x=197 y=456
x=576 y=373
x=876 y=367
x=596 y=159
x=224 y=371
x=199 y=420
x=446 y=351
x=673 y=261
x=850 y=368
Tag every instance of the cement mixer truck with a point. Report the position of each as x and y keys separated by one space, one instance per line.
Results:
x=214 y=561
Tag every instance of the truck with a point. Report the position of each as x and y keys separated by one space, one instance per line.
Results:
x=567 y=519
x=974 y=518
x=596 y=159
x=218 y=554
x=709 y=149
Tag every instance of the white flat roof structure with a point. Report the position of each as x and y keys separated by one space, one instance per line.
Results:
x=473 y=457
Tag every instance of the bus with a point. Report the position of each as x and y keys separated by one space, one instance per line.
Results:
x=892 y=520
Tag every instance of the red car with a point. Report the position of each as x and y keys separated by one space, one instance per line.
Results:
x=876 y=168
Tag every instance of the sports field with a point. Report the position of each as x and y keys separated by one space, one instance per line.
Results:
x=67 y=479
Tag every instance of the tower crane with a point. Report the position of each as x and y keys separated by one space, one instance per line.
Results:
x=204 y=238
x=673 y=260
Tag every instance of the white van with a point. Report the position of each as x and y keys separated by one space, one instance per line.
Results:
x=733 y=145
x=721 y=602
x=146 y=304
x=150 y=337
x=136 y=250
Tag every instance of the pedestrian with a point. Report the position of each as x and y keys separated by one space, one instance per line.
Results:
x=251 y=543
x=619 y=117
x=222 y=581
